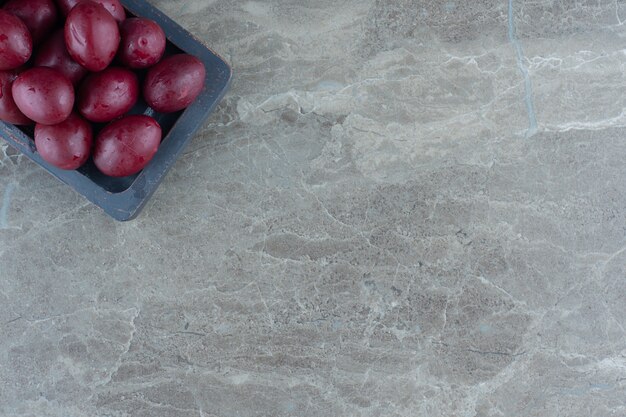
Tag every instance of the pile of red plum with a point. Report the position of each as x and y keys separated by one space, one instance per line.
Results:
x=73 y=67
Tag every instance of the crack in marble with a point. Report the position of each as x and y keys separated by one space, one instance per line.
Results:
x=12 y=321
x=480 y=352
x=35 y=321
x=6 y=204
x=528 y=97
x=119 y=361
x=497 y=353
x=500 y=289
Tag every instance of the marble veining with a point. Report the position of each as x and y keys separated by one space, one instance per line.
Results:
x=528 y=86
x=6 y=204
x=402 y=208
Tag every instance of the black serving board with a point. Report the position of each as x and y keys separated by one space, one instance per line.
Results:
x=123 y=198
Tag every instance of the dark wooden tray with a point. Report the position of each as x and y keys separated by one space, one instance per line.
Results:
x=123 y=198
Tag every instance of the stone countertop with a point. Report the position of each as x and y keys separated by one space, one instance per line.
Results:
x=402 y=208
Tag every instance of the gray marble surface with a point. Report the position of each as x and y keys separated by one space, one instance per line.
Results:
x=402 y=208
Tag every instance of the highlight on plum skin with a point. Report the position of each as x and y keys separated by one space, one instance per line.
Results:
x=91 y=35
x=143 y=43
x=127 y=145
x=174 y=83
x=44 y=95
x=16 y=42
x=66 y=145
x=113 y=6
x=109 y=94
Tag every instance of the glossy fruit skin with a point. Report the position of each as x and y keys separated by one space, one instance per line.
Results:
x=53 y=54
x=39 y=16
x=16 y=43
x=108 y=94
x=113 y=6
x=9 y=112
x=127 y=145
x=44 y=95
x=91 y=35
x=174 y=83
x=66 y=145
x=143 y=43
